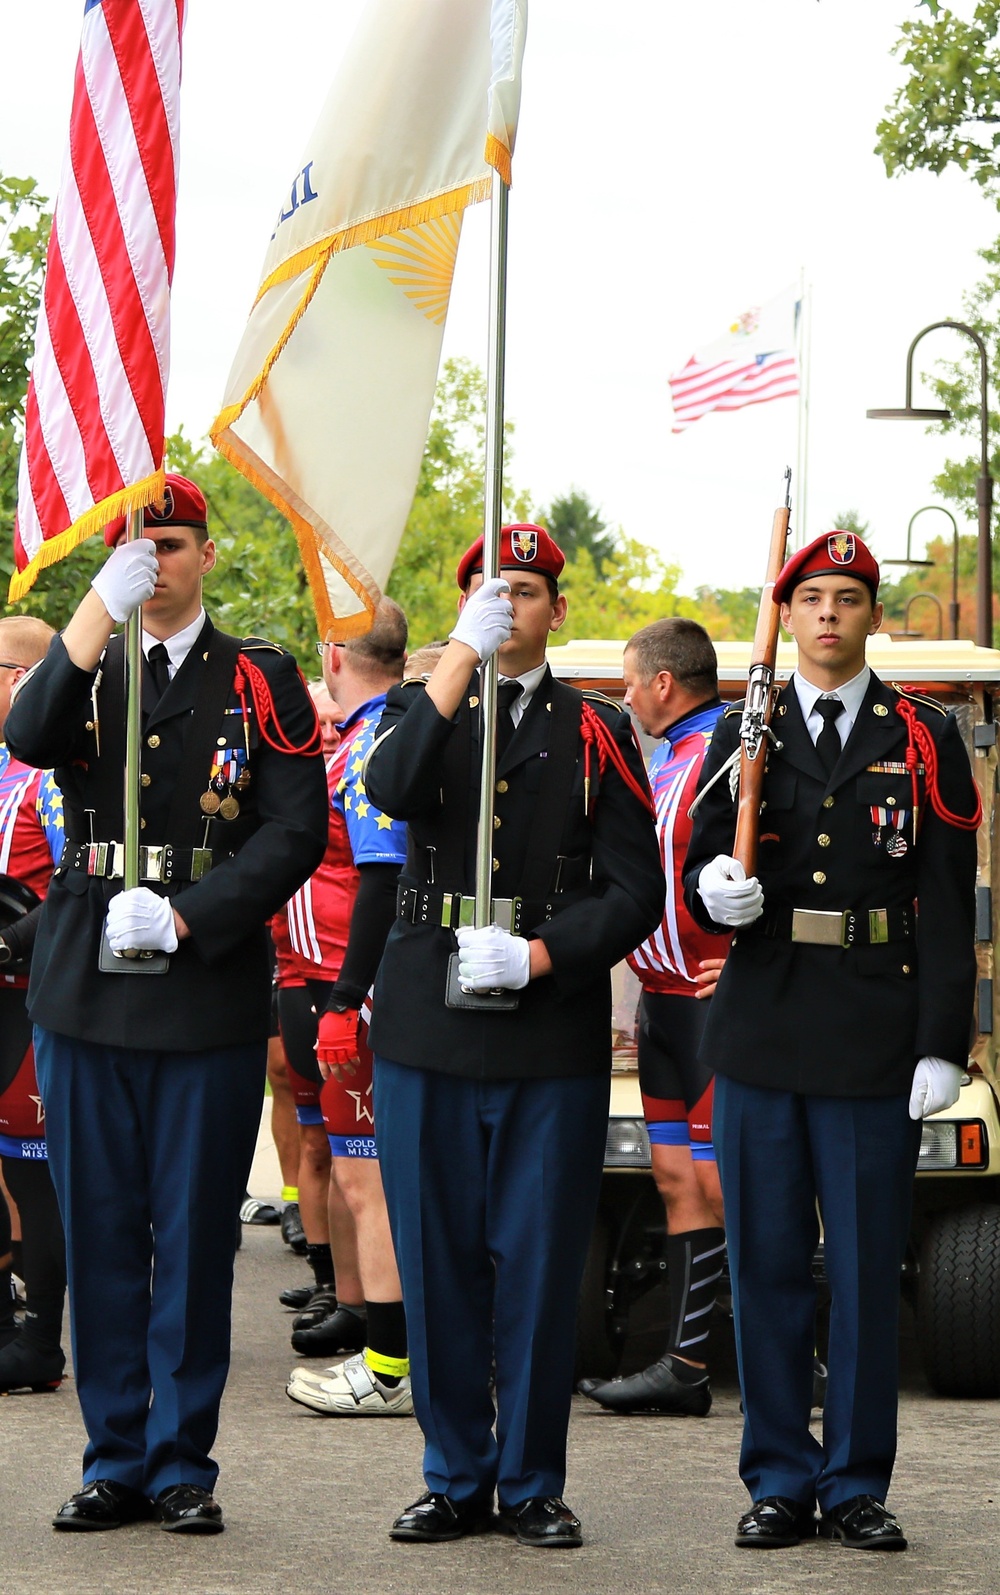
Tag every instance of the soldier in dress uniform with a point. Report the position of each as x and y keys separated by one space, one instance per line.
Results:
x=842 y=1017
x=153 y=1082
x=492 y=1124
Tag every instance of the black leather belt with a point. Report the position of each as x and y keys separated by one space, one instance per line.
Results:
x=106 y=860
x=848 y=927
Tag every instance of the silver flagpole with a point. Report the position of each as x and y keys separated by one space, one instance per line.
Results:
x=133 y=724
x=493 y=515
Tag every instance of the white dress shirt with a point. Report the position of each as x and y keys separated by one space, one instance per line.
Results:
x=851 y=695
x=178 y=646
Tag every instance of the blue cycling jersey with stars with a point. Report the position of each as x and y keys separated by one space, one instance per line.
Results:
x=374 y=837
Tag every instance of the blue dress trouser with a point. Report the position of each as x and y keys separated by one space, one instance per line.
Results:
x=492 y=1187
x=149 y=1154
x=779 y=1154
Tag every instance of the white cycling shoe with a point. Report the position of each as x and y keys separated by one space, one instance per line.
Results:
x=350 y=1390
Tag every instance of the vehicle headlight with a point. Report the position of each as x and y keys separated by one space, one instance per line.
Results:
x=627 y=1145
x=938 y=1146
x=953 y=1144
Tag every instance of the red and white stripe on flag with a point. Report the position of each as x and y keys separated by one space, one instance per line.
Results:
x=94 y=418
x=731 y=384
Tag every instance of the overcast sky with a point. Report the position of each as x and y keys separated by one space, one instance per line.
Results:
x=675 y=165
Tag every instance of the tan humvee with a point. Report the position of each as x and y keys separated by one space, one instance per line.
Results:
x=952 y=1271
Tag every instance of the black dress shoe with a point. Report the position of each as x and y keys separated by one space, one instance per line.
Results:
x=775 y=1521
x=862 y=1524
x=542 y=1520
x=342 y=1331
x=655 y=1389
x=188 y=1509
x=296 y=1296
x=104 y=1504
x=438 y=1517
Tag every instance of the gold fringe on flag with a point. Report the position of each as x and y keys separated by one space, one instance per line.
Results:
x=148 y=491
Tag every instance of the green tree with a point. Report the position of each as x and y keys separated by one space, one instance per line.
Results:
x=576 y=524
x=948 y=110
x=634 y=587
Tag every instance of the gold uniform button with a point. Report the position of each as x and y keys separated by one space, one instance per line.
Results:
x=819 y=877
x=221 y=742
x=828 y=802
x=145 y=780
x=890 y=802
x=153 y=741
x=496 y=863
x=89 y=726
x=823 y=840
x=906 y=969
x=496 y=822
x=142 y=825
x=501 y=786
x=473 y=703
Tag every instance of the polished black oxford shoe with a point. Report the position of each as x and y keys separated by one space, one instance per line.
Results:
x=656 y=1389
x=188 y=1509
x=104 y=1504
x=775 y=1521
x=437 y=1517
x=862 y=1524
x=541 y=1521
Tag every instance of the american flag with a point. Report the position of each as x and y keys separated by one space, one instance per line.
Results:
x=94 y=418
x=731 y=384
x=752 y=363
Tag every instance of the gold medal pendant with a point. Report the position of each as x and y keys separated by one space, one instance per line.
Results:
x=229 y=807
x=210 y=802
x=242 y=781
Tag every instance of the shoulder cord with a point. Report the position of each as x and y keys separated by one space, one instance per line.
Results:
x=595 y=734
x=921 y=745
x=249 y=674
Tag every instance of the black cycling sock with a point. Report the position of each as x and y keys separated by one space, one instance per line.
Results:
x=694 y=1260
x=387 y=1341
x=320 y=1260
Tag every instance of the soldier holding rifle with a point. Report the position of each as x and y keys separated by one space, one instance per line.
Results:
x=841 y=1019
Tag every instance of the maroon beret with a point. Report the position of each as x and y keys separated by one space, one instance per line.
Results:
x=525 y=546
x=182 y=504
x=833 y=554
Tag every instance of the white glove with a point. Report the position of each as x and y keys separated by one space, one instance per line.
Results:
x=485 y=620
x=730 y=898
x=490 y=958
x=142 y=920
x=127 y=579
x=936 y=1085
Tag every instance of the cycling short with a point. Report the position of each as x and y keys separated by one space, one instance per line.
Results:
x=676 y=1089
x=347 y=1107
x=298 y=1010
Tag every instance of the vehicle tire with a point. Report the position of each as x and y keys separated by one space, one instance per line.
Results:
x=958 y=1301
x=595 y=1356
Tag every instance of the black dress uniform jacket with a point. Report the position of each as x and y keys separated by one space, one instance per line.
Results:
x=845 y=1021
x=592 y=897
x=217 y=989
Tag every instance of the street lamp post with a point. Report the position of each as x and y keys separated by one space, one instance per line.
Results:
x=928 y=564
x=984 y=482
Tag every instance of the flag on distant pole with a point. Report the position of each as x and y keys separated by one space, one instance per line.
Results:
x=94 y=418
x=329 y=397
x=754 y=362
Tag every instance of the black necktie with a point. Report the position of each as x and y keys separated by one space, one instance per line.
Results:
x=508 y=693
x=828 y=741
x=159 y=668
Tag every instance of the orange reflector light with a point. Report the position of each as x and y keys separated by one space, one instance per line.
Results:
x=970 y=1144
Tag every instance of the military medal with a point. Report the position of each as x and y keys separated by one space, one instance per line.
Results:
x=896 y=846
x=229 y=807
x=210 y=802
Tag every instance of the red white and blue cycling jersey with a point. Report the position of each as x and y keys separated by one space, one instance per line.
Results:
x=668 y=961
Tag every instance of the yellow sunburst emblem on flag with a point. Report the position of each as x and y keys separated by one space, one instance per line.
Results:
x=421 y=261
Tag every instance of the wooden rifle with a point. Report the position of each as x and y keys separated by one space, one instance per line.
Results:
x=755 y=727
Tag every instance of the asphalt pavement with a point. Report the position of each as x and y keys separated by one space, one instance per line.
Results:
x=308 y=1500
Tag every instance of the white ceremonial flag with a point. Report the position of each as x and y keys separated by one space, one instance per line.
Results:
x=329 y=397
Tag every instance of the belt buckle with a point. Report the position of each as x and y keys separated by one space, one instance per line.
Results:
x=507 y=914
x=201 y=862
x=878 y=926
x=97 y=858
x=822 y=927
x=116 y=870
x=151 y=863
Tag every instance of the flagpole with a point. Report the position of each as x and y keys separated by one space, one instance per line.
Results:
x=802 y=441
x=493 y=513
x=133 y=725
